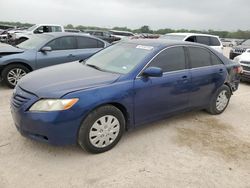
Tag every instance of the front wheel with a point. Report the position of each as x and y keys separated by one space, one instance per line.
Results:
x=102 y=129
x=220 y=100
x=13 y=73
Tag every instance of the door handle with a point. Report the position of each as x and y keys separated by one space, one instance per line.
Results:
x=221 y=71
x=184 y=77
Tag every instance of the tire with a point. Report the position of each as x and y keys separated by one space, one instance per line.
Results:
x=220 y=100
x=95 y=130
x=11 y=74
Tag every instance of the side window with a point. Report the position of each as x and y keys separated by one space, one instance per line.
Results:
x=63 y=43
x=171 y=59
x=191 y=39
x=85 y=42
x=215 y=60
x=199 y=57
x=98 y=33
x=56 y=29
x=214 y=41
x=203 y=40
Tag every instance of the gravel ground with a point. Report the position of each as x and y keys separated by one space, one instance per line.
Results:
x=193 y=149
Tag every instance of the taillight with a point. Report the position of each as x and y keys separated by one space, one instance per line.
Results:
x=238 y=69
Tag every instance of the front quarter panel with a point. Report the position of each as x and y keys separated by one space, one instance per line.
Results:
x=119 y=93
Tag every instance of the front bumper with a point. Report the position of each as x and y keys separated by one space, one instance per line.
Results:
x=56 y=128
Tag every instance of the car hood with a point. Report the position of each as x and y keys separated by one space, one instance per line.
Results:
x=243 y=57
x=6 y=49
x=56 y=81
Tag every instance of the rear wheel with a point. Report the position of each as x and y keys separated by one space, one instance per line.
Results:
x=102 y=129
x=13 y=73
x=220 y=100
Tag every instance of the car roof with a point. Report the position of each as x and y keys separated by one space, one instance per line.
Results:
x=161 y=42
x=121 y=31
x=190 y=34
x=48 y=25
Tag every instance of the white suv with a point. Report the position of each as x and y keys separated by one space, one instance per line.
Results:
x=22 y=35
x=210 y=40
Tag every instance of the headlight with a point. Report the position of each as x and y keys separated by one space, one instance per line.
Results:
x=48 y=105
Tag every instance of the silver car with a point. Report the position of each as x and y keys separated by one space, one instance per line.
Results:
x=43 y=50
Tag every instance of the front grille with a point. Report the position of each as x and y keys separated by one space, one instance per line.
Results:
x=19 y=100
x=20 y=97
x=245 y=62
x=239 y=50
x=245 y=68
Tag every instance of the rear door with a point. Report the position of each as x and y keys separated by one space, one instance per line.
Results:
x=208 y=74
x=63 y=51
x=158 y=96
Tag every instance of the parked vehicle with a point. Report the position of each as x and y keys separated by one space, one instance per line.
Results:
x=72 y=30
x=121 y=87
x=19 y=36
x=45 y=50
x=244 y=60
x=121 y=34
x=104 y=35
x=238 y=50
x=210 y=40
x=227 y=42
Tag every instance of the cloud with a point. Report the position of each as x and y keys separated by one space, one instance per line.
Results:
x=195 y=14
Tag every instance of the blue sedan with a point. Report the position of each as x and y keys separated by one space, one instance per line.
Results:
x=44 y=50
x=92 y=103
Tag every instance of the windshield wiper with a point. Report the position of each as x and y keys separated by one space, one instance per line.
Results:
x=94 y=66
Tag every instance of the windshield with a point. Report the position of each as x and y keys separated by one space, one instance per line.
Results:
x=173 y=37
x=120 y=58
x=34 y=41
x=246 y=43
x=32 y=28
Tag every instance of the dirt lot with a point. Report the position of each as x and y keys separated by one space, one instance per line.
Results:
x=190 y=150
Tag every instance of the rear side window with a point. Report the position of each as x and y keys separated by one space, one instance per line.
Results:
x=85 y=42
x=215 y=60
x=171 y=59
x=214 y=41
x=63 y=43
x=203 y=40
x=199 y=57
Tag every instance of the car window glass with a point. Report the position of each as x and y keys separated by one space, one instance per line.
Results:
x=98 y=33
x=215 y=60
x=191 y=39
x=63 y=43
x=85 y=42
x=203 y=40
x=56 y=29
x=199 y=57
x=171 y=59
x=214 y=41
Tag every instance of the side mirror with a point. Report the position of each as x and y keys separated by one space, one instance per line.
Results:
x=46 y=49
x=152 y=72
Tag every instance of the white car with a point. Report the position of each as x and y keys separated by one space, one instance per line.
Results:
x=121 y=34
x=210 y=40
x=22 y=35
x=244 y=60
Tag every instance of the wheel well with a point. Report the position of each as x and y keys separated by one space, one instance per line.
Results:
x=20 y=63
x=123 y=110
x=228 y=85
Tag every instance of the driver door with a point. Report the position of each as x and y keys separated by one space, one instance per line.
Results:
x=63 y=51
x=156 y=97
